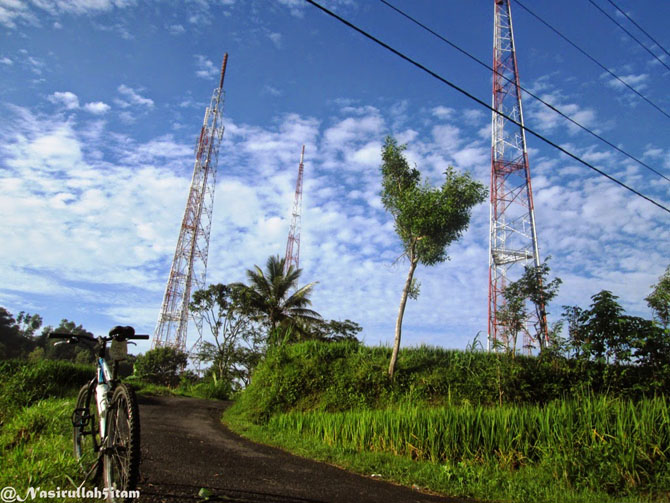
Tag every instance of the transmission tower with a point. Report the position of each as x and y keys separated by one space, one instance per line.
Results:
x=513 y=237
x=293 y=244
x=189 y=265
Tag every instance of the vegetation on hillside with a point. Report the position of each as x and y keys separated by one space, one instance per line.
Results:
x=468 y=423
x=36 y=403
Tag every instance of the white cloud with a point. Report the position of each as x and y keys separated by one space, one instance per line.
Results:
x=276 y=39
x=272 y=91
x=636 y=81
x=67 y=99
x=205 y=69
x=12 y=11
x=176 y=29
x=544 y=119
x=97 y=107
x=132 y=97
x=442 y=112
x=6 y=61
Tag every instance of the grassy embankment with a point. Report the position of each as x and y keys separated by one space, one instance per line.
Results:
x=36 y=402
x=467 y=424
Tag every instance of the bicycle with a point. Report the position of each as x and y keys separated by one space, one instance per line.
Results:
x=106 y=419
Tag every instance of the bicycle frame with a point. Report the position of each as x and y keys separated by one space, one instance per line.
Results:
x=102 y=389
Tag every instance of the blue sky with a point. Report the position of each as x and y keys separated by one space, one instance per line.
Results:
x=102 y=100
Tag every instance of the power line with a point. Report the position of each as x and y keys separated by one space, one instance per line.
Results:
x=639 y=27
x=628 y=33
x=593 y=59
x=480 y=102
x=531 y=94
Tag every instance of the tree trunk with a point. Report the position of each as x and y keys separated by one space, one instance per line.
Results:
x=401 y=311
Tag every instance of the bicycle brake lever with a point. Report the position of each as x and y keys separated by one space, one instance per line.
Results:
x=130 y=342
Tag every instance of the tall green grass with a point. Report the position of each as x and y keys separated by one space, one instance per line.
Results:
x=596 y=443
x=340 y=376
x=36 y=403
x=24 y=383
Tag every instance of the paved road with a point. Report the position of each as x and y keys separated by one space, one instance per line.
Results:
x=185 y=448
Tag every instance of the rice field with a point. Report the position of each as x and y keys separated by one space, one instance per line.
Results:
x=615 y=445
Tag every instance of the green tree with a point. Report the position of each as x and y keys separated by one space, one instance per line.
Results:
x=603 y=333
x=28 y=324
x=427 y=219
x=533 y=286
x=659 y=299
x=334 y=330
x=513 y=315
x=161 y=366
x=228 y=316
x=286 y=315
x=78 y=352
x=11 y=343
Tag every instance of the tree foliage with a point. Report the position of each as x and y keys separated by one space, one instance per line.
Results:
x=535 y=287
x=237 y=337
x=659 y=299
x=336 y=331
x=268 y=298
x=161 y=366
x=605 y=333
x=427 y=219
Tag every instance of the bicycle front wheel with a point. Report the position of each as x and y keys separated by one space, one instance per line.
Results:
x=122 y=447
x=86 y=429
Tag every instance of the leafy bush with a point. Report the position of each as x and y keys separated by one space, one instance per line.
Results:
x=340 y=376
x=161 y=366
x=212 y=390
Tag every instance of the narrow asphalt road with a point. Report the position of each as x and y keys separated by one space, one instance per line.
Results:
x=185 y=448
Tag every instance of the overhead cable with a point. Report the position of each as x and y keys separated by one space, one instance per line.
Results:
x=639 y=27
x=480 y=102
x=531 y=94
x=594 y=60
x=629 y=33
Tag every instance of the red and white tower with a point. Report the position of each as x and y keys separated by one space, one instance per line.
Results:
x=292 y=257
x=189 y=265
x=513 y=237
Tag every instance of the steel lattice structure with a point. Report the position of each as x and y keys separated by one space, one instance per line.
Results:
x=513 y=236
x=189 y=265
x=292 y=257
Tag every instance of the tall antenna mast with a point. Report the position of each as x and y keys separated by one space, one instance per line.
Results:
x=293 y=244
x=513 y=237
x=189 y=264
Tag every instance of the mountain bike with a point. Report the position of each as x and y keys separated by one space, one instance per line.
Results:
x=106 y=419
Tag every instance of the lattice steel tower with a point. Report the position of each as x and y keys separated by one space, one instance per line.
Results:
x=513 y=237
x=189 y=265
x=292 y=257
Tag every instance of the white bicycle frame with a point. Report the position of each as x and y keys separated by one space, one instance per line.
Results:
x=101 y=398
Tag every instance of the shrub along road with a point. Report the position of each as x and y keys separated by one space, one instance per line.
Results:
x=185 y=448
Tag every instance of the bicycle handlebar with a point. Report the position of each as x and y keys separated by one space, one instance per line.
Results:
x=120 y=333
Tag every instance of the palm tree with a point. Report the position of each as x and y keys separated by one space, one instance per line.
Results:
x=268 y=296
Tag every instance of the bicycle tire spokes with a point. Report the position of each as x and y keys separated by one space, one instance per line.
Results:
x=122 y=453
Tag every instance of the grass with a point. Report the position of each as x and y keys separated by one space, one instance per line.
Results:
x=36 y=403
x=467 y=479
x=35 y=449
x=208 y=389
